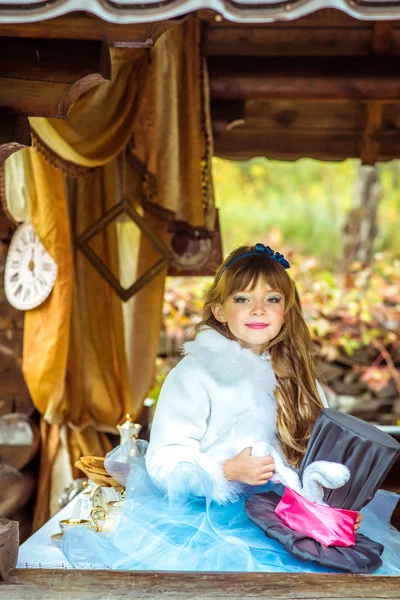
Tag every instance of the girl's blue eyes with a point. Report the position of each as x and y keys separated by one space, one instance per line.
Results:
x=243 y=299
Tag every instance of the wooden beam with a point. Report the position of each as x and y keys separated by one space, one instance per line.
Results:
x=45 y=77
x=57 y=584
x=272 y=40
x=332 y=78
x=285 y=115
x=381 y=45
x=321 y=144
x=15 y=134
x=76 y=25
x=242 y=143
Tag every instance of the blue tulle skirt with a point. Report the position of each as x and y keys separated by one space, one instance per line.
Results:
x=174 y=531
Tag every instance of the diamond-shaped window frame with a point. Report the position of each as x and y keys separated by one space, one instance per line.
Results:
x=124 y=206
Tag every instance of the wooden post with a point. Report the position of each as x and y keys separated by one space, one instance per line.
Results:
x=74 y=25
x=9 y=542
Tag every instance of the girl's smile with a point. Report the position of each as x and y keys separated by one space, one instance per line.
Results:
x=254 y=316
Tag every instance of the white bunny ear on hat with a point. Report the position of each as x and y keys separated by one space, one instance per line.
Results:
x=323 y=474
x=317 y=476
x=285 y=475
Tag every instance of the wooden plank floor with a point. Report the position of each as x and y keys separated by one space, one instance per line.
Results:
x=46 y=584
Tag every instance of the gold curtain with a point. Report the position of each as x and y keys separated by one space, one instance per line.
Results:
x=173 y=133
x=88 y=359
x=44 y=362
x=99 y=124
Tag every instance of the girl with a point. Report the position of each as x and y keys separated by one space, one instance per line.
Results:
x=248 y=379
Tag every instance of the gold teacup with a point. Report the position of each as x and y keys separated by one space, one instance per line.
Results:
x=69 y=523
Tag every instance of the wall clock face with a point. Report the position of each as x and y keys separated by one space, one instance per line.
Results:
x=30 y=271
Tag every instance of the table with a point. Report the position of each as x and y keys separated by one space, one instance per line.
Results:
x=41 y=552
x=43 y=573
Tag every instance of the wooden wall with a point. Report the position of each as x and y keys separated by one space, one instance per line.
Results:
x=19 y=433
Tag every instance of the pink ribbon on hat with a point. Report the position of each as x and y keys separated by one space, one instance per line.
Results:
x=325 y=524
x=302 y=506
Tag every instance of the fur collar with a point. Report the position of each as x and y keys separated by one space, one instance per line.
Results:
x=228 y=360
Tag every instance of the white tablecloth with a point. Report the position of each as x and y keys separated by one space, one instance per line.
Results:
x=40 y=552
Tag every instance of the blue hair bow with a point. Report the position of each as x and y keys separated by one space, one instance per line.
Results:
x=260 y=249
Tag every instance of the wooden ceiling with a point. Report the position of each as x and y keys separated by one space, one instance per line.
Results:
x=324 y=86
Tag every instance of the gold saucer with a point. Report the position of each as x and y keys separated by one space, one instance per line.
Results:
x=56 y=536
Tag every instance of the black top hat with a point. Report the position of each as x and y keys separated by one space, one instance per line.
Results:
x=369 y=453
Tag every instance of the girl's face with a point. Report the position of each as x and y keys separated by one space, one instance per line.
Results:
x=254 y=317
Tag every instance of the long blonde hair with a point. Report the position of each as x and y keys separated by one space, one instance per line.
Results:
x=291 y=350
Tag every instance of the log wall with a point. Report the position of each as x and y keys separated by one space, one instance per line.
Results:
x=19 y=434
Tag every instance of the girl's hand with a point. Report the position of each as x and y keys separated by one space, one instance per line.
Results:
x=249 y=469
x=357 y=523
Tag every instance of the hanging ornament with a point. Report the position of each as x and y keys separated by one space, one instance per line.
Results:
x=124 y=209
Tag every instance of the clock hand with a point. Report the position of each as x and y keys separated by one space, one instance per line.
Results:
x=32 y=263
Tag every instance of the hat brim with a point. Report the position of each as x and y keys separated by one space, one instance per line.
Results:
x=363 y=557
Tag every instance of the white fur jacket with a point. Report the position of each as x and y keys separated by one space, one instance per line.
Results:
x=217 y=401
